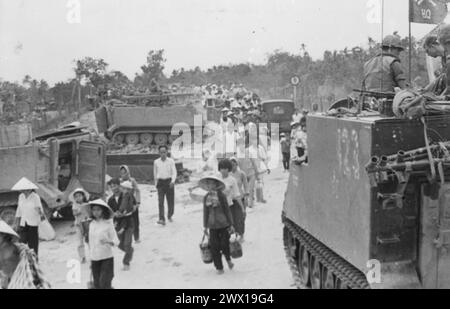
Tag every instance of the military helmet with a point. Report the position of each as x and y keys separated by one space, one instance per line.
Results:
x=444 y=34
x=393 y=41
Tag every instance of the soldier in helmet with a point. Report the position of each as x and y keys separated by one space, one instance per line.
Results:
x=384 y=73
x=439 y=47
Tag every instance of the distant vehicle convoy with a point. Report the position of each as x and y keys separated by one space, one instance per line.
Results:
x=58 y=162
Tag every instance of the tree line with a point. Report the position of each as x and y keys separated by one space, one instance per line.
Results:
x=322 y=80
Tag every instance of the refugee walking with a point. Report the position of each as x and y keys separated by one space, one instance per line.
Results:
x=165 y=174
x=125 y=175
x=80 y=209
x=217 y=221
x=102 y=238
x=29 y=213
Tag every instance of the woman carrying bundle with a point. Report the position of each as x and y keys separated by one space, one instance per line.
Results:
x=217 y=221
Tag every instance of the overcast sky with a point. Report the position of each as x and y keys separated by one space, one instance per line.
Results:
x=40 y=38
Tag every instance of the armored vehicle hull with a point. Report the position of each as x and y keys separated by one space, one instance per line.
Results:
x=58 y=163
x=343 y=231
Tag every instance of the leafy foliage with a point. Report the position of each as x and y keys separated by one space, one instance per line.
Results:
x=152 y=70
x=322 y=80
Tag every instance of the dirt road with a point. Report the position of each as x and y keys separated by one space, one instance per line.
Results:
x=169 y=257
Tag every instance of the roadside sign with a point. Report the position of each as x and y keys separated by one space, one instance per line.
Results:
x=295 y=80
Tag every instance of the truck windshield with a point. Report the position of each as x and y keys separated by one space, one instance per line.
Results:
x=279 y=110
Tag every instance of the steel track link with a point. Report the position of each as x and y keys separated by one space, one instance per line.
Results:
x=344 y=271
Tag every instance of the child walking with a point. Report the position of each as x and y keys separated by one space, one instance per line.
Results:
x=102 y=238
x=80 y=210
x=126 y=223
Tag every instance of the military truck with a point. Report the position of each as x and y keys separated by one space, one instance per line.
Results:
x=58 y=163
x=279 y=111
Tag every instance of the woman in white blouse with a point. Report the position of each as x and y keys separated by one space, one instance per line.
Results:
x=29 y=213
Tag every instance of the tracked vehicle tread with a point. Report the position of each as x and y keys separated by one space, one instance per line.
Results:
x=349 y=275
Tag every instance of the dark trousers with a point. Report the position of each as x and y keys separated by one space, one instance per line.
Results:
x=219 y=241
x=126 y=241
x=136 y=225
x=103 y=273
x=286 y=160
x=238 y=218
x=29 y=235
x=164 y=190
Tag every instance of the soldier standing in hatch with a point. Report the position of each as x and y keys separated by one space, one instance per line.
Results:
x=384 y=73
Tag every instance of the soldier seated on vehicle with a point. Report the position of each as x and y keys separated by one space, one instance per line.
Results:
x=384 y=73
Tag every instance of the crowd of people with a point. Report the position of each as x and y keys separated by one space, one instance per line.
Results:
x=233 y=186
x=102 y=224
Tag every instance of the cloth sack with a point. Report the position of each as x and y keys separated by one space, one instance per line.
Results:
x=46 y=231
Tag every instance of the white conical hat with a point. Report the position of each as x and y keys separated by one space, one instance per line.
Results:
x=6 y=229
x=79 y=190
x=101 y=203
x=23 y=185
x=220 y=185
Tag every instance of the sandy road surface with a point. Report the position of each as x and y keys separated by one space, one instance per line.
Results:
x=169 y=257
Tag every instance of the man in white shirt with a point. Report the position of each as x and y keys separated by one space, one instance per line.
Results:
x=165 y=174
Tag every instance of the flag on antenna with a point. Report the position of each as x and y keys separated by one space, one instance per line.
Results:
x=428 y=11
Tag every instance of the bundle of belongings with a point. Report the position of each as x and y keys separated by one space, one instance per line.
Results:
x=28 y=274
x=410 y=104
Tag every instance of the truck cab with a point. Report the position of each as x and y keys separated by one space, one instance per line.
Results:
x=280 y=111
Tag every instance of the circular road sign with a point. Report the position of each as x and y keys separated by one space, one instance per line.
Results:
x=295 y=80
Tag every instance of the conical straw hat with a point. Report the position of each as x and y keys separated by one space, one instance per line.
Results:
x=220 y=185
x=79 y=190
x=101 y=203
x=23 y=185
x=6 y=229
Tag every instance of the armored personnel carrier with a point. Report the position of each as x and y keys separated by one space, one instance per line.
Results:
x=57 y=162
x=147 y=120
x=371 y=208
x=137 y=126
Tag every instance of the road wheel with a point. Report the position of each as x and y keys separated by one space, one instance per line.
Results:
x=340 y=285
x=132 y=139
x=8 y=214
x=304 y=265
x=328 y=279
x=161 y=139
x=316 y=278
x=291 y=244
x=120 y=139
x=146 y=138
